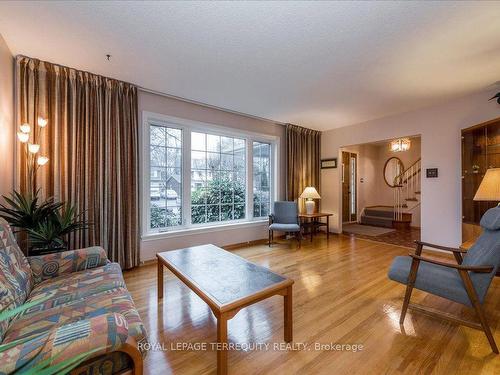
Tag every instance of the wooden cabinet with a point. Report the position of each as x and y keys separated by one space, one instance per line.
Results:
x=480 y=151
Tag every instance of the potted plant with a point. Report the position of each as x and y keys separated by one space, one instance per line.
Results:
x=44 y=225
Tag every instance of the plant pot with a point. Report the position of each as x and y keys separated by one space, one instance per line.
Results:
x=47 y=250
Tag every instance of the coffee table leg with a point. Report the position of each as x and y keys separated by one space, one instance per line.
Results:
x=327 y=228
x=160 y=280
x=222 y=339
x=288 y=317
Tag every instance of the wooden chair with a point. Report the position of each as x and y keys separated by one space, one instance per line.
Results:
x=465 y=282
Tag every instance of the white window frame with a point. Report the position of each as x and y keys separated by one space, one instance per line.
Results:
x=272 y=177
x=187 y=126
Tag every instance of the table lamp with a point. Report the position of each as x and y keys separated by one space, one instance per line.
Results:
x=489 y=189
x=309 y=194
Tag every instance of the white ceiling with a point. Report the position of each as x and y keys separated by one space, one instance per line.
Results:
x=321 y=65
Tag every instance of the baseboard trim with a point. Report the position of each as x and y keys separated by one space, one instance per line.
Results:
x=234 y=246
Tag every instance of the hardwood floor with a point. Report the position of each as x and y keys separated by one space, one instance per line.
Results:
x=341 y=295
x=399 y=237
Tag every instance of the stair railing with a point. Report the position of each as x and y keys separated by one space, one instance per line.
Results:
x=406 y=187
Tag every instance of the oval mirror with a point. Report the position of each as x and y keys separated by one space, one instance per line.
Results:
x=393 y=167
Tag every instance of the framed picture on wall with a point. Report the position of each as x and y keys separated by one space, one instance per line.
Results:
x=328 y=163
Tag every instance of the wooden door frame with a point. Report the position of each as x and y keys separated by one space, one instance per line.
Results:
x=342 y=150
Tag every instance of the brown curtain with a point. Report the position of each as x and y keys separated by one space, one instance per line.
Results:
x=303 y=155
x=92 y=143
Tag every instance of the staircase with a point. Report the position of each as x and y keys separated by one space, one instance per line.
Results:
x=407 y=194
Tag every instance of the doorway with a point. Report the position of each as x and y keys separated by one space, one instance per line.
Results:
x=349 y=187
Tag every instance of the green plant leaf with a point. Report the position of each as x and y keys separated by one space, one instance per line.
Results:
x=4 y=315
x=64 y=367
x=4 y=347
x=47 y=223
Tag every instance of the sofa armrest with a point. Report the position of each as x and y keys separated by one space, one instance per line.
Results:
x=88 y=338
x=52 y=265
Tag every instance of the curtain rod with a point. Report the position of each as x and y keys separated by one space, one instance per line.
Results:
x=74 y=69
x=162 y=93
x=209 y=105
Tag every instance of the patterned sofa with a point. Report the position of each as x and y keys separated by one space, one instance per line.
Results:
x=78 y=303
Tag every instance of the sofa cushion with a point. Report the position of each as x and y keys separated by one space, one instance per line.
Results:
x=7 y=299
x=49 y=266
x=61 y=310
x=15 y=259
x=102 y=334
x=109 y=301
x=67 y=288
x=15 y=274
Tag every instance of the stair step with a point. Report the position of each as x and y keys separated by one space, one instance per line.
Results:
x=411 y=199
x=418 y=192
x=377 y=221
x=387 y=212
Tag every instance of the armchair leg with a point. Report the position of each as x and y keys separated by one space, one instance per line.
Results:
x=409 y=288
x=406 y=302
x=270 y=237
x=469 y=287
x=486 y=327
x=298 y=237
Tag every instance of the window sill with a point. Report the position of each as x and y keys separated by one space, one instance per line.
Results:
x=201 y=230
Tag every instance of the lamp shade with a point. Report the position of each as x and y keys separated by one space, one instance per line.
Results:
x=310 y=193
x=489 y=190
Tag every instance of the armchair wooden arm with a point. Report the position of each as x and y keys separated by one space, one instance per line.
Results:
x=459 y=267
x=457 y=253
x=445 y=248
x=271 y=219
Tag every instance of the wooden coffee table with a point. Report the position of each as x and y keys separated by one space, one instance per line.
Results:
x=227 y=283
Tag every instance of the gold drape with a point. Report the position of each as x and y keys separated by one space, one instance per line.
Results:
x=303 y=151
x=92 y=143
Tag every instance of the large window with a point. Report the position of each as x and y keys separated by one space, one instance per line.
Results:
x=203 y=175
x=218 y=175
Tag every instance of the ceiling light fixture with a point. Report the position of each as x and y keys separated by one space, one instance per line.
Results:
x=399 y=145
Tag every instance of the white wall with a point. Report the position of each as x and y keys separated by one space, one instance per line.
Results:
x=6 y=118
x=439 y=127
x=228 y=235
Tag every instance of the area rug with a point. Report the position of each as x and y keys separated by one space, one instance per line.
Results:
x=366 y=230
